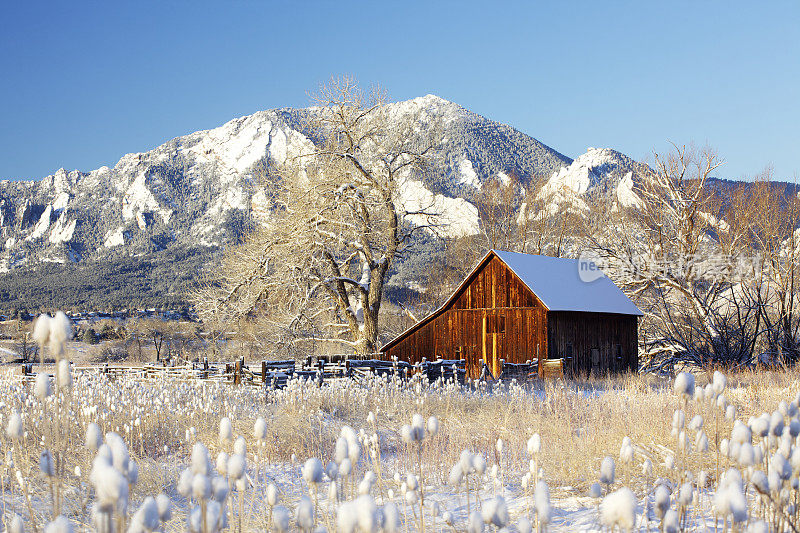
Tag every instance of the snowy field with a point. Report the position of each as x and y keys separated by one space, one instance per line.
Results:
x=81 y=452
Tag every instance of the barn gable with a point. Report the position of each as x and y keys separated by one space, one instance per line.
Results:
x=492 y=284
x=478 y=292
x=491 y=303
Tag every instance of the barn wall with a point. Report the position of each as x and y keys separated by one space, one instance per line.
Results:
x=494 y=292
x=588 y=331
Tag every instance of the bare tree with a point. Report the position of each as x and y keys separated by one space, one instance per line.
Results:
x=316 y=271
x=142 y=331
x=548 y=224
x=678 y=256
x=156 y=329
x=137 y=333
x=775 y=248
x=528 y=219
x=498 y=202
x=22 y=334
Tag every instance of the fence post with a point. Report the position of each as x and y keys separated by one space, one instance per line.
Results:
x=237 y=372
x=263 y=371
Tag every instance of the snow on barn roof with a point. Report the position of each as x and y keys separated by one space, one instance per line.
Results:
x=557 y=283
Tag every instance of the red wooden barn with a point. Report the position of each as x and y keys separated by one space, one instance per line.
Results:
x=521 y=307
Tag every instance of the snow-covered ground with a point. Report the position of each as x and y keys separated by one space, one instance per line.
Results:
x=360 y=453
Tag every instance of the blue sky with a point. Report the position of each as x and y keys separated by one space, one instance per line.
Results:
x=84 y=83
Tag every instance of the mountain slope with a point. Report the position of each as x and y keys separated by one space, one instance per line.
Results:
x=172 y=209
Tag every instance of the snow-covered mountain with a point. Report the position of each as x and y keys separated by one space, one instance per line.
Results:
x=193 y=190
x=599 y=170
x=200 y=191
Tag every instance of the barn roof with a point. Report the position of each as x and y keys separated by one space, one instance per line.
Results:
x=554 y=280
x=557 y=283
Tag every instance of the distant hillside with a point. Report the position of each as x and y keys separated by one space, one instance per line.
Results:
x=171 y=209
x=143 y=230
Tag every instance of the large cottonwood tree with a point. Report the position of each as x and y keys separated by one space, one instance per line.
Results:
x=339 y=215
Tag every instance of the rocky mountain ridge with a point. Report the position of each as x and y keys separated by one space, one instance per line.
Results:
x=196 y=193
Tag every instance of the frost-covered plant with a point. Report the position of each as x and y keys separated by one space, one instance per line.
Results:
x=52 y=331
x=684 y=500
x=475 y=523
x=272 y=500
x=41 y=333
x=64 y=375
x=495 y=512
x=147 y=517
x=626 y=456
x=544 y=511
x=684 y=385
x=347 y=452
x=607 y=472
x=280 y=519
x=313 y=475
x=729 y=499
x=304 y=515
x=469 y=463
x=161 y=424
x=413 y=435
x=14 y=429
x=15 y=524
x=60 y=524
x=111 y=488
x=361 y=514
x=42 y=388
x=661 y=501
x=618 y=509
x=225 y=431
x=260 y=429
x=208 y=491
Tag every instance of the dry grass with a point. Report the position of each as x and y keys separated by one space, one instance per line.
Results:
x=579 y=422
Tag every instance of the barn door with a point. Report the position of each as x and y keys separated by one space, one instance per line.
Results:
x=493 y=325
x=595 y=361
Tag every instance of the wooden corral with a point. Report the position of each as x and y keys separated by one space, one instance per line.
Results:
x=519 y=307
x=265 y=374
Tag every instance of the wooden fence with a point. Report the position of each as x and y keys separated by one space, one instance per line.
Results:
x=275 y=374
